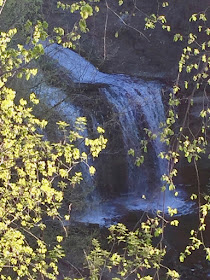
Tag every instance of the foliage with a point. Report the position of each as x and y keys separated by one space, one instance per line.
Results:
x=131 y=253
x=33 y=170
x=192 y=80
x=86 y=10
x=15 y=14
x=182 y=140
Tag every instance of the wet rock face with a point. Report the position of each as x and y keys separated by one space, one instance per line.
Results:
x=111 y=177
x=136 y=51
x=186 y=171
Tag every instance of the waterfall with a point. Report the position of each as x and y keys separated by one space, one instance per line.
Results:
x=132 y=99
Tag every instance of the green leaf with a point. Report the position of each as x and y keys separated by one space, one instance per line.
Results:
x=92 y=170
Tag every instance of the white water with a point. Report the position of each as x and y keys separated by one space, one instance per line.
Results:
x=56 y=100
x=110 y=212
x=131 y=98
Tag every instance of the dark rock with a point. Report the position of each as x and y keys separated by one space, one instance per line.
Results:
x=137 y=51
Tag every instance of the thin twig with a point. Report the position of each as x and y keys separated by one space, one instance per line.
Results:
x=2 y=7
x=128 y=25
x=105 y=30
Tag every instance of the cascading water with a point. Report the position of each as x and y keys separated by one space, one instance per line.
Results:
x=132 y=99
